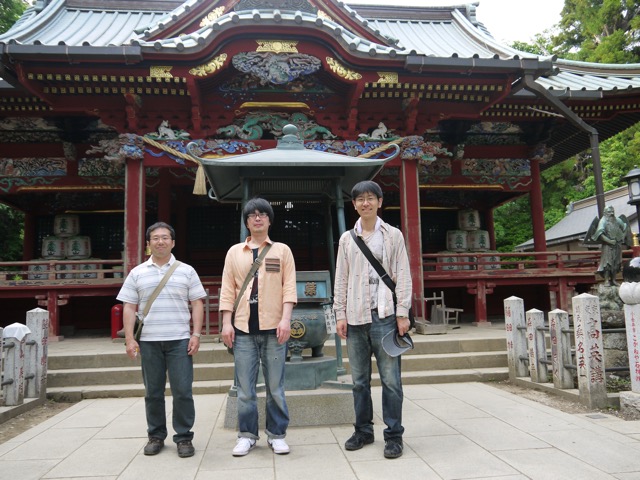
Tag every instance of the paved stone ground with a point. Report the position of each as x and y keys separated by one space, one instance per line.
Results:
x=15 y=426
x=24 y=422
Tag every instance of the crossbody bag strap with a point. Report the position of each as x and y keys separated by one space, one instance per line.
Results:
x=160 y=286
x=252 y=272
x=375 y=263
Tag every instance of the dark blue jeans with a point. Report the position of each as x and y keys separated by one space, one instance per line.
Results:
x=158 y=360
x=249 y=351
x=362 y=341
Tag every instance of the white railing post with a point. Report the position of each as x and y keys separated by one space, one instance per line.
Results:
x=537 y=346
x=560 y=349
x=37 y=355
x=589 y=351
x=516 y=337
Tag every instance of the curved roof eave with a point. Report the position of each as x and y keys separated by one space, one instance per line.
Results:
x=31 y=21
x=179 y=13
x=591 y=80
x=482 y=38
x=198 y=40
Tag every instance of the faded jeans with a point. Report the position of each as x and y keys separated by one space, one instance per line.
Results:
x=249 y=352
x=362 y=341
x=158 y=360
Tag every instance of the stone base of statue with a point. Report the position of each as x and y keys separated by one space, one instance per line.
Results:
x=630 y=405
x=609 y=298
x=612 y=316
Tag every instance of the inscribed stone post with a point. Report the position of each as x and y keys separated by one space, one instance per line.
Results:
x=589 y=351
x=37 y=360
x=1 y=365
x=632 y=321
x=560 y=349
x=516 y=337
x=537 y=346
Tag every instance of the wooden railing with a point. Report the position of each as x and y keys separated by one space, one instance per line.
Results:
x=461 y=262
x=43 y=272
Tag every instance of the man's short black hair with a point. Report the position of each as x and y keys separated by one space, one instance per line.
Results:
x=259 y=204
x=158 y=225
x=366 y=186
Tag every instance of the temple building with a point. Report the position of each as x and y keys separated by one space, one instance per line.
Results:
x=99 y=100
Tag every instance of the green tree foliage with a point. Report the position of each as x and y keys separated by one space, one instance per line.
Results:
x=11 y=234
x=603 y=31
x=517 y=229
x=11 y=220
x=10 y=11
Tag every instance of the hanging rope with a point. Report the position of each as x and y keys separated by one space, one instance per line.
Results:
x=200 y=185
x=381 y=148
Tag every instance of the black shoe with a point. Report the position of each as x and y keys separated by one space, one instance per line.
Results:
x=393 y=448
x=185 y=449
x=358 y=440
x=154 y=446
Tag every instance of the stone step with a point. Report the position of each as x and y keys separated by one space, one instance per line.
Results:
x=77 y=393
x=99 y=368
x=224 y=370
x=217 y=353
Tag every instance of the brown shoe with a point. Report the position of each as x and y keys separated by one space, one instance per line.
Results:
x=154 y=446
x=185 y=449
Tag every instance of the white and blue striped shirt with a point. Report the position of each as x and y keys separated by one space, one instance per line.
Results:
x=169 y=316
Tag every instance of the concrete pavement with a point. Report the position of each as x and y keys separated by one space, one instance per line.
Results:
x=453 y=431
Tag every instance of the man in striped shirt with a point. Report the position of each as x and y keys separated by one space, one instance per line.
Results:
x=166 y=344
x=365 y=313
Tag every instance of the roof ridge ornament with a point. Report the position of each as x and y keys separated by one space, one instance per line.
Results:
x=291 y=139
x=292 y=5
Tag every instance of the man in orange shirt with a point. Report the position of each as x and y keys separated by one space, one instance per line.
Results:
x=261 y=327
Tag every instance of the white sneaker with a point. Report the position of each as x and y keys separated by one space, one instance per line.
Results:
x=278 y=445
x=243 y=446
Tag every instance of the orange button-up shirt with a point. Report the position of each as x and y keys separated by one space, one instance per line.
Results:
x=276 y=284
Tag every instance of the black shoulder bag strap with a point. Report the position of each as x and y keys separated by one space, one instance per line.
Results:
x=382 y=272
x=375 y=264
x=252 y=272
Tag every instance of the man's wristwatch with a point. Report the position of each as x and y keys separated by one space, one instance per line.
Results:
x=194 y=334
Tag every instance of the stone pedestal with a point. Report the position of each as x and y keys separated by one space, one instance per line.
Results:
x=307 y=408
x=310 y=373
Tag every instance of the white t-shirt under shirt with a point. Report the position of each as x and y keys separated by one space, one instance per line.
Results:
x=169 y=316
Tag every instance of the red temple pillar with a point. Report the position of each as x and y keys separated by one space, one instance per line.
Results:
x=537 y=212
x=411 y=228
x=134 y=209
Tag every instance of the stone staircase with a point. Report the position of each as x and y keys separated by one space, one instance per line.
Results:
x=100 y=368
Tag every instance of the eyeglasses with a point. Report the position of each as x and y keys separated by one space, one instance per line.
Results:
x=253 y=216
x=371 y=199
x=165 y=238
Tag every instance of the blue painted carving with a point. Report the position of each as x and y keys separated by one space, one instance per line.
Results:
x=276 y=68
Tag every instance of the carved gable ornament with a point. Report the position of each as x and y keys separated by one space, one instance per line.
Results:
x=276 y=68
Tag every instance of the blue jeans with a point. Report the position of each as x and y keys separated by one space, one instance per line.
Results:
x=248 y=352
x=158 y=360
x=362 y=341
